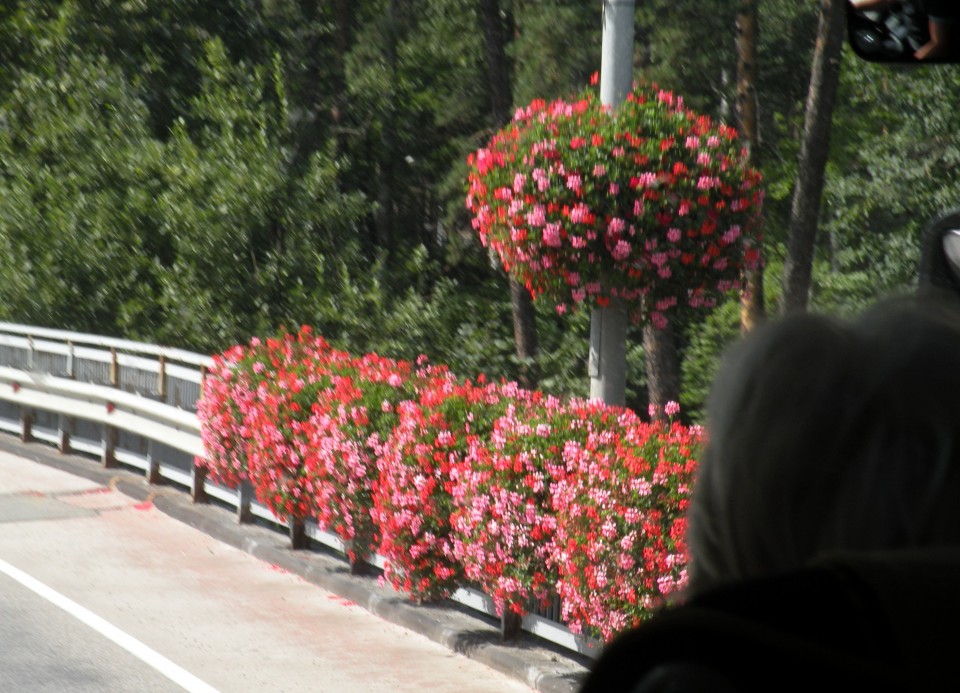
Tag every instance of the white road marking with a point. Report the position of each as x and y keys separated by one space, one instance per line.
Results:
x=178 y=675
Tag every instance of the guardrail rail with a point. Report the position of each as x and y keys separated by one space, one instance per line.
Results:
x=135 y=404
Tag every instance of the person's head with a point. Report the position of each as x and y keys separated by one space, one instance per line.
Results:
x=826 y=436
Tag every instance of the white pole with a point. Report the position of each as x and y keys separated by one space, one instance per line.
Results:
x=608 y=326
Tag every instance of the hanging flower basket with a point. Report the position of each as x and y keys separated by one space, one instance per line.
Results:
x=652 y=204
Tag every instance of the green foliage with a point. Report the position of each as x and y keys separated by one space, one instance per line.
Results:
x=246 y=233
x=79 y=175
x=197 y=172
x=547 y=66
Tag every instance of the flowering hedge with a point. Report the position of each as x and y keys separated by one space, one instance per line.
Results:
x=620 y=517
x=419 y=465
x=652 y=204
x=458 y=482
x=504 y=522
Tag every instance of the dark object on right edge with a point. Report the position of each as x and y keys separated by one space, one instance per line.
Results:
x=940 y=255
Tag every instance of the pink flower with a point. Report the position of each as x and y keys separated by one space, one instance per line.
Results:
x=708 y=182
x=551 y=235
x=537 y=216
x=671 y=408
x=574 y=182
x=621 y=250
x=616 y=226
x=579 y=213
x=645 y=180
x=732 y=234
x=674 y=235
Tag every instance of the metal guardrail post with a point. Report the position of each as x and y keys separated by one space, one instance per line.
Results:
x=71 y=362
x=244 y=499
x=30 y=350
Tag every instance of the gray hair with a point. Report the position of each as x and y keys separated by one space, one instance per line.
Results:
x=829 y=436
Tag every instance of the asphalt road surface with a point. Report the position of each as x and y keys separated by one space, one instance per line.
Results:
x=101 y=593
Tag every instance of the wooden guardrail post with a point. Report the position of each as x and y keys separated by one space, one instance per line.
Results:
x=298 y=533
x=26 y=424
x=71 y=362
x=64 y=425
x=114 y=368
x=162 y=378
x=153 y=465
x=198 y=490
x=510 y=624
x=108 y=457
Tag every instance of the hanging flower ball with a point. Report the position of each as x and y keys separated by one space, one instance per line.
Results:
x=651 y=204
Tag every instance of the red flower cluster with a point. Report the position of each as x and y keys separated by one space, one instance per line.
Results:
x=458 y=482
x=653 y=204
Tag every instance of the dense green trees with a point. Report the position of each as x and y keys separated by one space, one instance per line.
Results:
x=196 y=172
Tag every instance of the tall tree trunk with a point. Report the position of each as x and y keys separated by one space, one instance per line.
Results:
x=663 y=367
x=343 y=21
x=501 y=104
x=752 y=309
x=385 y=216
x=805 y=207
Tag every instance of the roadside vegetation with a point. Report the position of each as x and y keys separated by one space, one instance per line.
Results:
x=195 y=174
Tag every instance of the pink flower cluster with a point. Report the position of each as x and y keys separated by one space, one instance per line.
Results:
x=459 y=482
x=419 y=465
x=302 y=422
x=655 y=206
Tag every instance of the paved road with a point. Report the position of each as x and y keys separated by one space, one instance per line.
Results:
x=211 y=611
x=46 y=650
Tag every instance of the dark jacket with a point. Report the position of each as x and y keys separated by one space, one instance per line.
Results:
x=859 y=622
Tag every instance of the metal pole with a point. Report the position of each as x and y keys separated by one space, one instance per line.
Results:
x=616 y=62
x=608 y=326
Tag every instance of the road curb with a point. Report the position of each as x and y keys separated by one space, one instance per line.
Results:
x=540 y=665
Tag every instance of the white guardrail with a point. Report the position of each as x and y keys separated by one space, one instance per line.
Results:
x=135 y=404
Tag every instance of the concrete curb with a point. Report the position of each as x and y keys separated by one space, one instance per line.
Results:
x=540 y=665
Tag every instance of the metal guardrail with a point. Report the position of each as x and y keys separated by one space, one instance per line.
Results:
x=135 y=404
